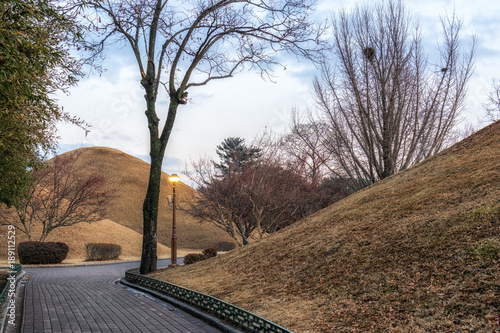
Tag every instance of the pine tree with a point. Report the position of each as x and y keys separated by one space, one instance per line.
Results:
x=235 y=155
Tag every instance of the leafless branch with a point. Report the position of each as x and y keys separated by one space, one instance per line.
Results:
x=383 y=106
x=493 y=105
x=60 y=197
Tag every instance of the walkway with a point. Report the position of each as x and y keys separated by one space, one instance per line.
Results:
x=87 y=299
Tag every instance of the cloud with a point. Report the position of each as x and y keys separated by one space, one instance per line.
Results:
x=114 y=107
x=241 y=106
x=245 y=105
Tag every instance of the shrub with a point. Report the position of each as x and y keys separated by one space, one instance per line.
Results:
x=191 y=258
x=209 y=253
x=42 y=252
x=102 y=251
x=225 y=246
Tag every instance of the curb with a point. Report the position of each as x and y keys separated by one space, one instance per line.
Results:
x=3 y=315
x=227 y=312
x=81 y=265
x=217 y=323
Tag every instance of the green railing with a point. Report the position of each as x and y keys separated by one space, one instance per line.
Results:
x=17 y=268
x=214 y=306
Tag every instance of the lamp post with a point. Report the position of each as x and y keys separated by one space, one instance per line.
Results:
x=173 y=250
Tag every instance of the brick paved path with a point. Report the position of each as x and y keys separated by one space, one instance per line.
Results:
x=87 y=299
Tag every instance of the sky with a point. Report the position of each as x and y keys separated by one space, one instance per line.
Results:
x=246 y=105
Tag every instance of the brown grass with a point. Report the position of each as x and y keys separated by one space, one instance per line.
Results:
x=417 y=252
x=104 y=231
x=128 y=175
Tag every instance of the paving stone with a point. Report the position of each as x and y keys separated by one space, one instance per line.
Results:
x=87 y=299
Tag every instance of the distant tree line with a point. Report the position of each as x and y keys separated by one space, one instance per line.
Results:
x=256 y=190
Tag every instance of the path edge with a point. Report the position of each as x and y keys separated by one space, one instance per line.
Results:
x=212 y=321
x=19 y=297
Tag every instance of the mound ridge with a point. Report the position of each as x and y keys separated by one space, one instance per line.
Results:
x=416 y=252
x=128 y=176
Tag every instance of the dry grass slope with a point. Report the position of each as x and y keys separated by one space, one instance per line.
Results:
x=123 y=226
x=104 y=231
x=417 y=252
x=129 y=176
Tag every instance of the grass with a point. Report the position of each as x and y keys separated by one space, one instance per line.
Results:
x=128 y=175
x=417 y=252
x=104 y=231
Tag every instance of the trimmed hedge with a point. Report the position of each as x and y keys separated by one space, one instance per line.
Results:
x=209 y=253
x=35 y=253
x=191 y=258
x=102 y=251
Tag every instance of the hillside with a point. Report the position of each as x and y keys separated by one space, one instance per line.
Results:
x=104 y=231
x=416 y=252
x=128 y=175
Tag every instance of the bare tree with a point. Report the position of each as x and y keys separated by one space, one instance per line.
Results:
x=255 y=199
x=493 y=105
x=384 y=105
x=59 y=197
x=220 y=201
x=180 y=45
x=301 y=148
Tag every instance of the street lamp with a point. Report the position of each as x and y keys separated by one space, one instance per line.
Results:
x=173 y=179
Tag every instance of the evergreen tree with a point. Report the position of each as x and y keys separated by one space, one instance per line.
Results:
x=35 y=62
x=235 y=155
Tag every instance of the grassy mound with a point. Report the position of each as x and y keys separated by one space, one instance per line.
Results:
x=78 y=235
x=129 y=176
x=417 y=252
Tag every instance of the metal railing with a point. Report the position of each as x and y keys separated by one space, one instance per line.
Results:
x=17 y=268
x=231 y=313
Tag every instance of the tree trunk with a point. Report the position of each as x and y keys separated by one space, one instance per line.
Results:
x=150 y=215
x=150 y=206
